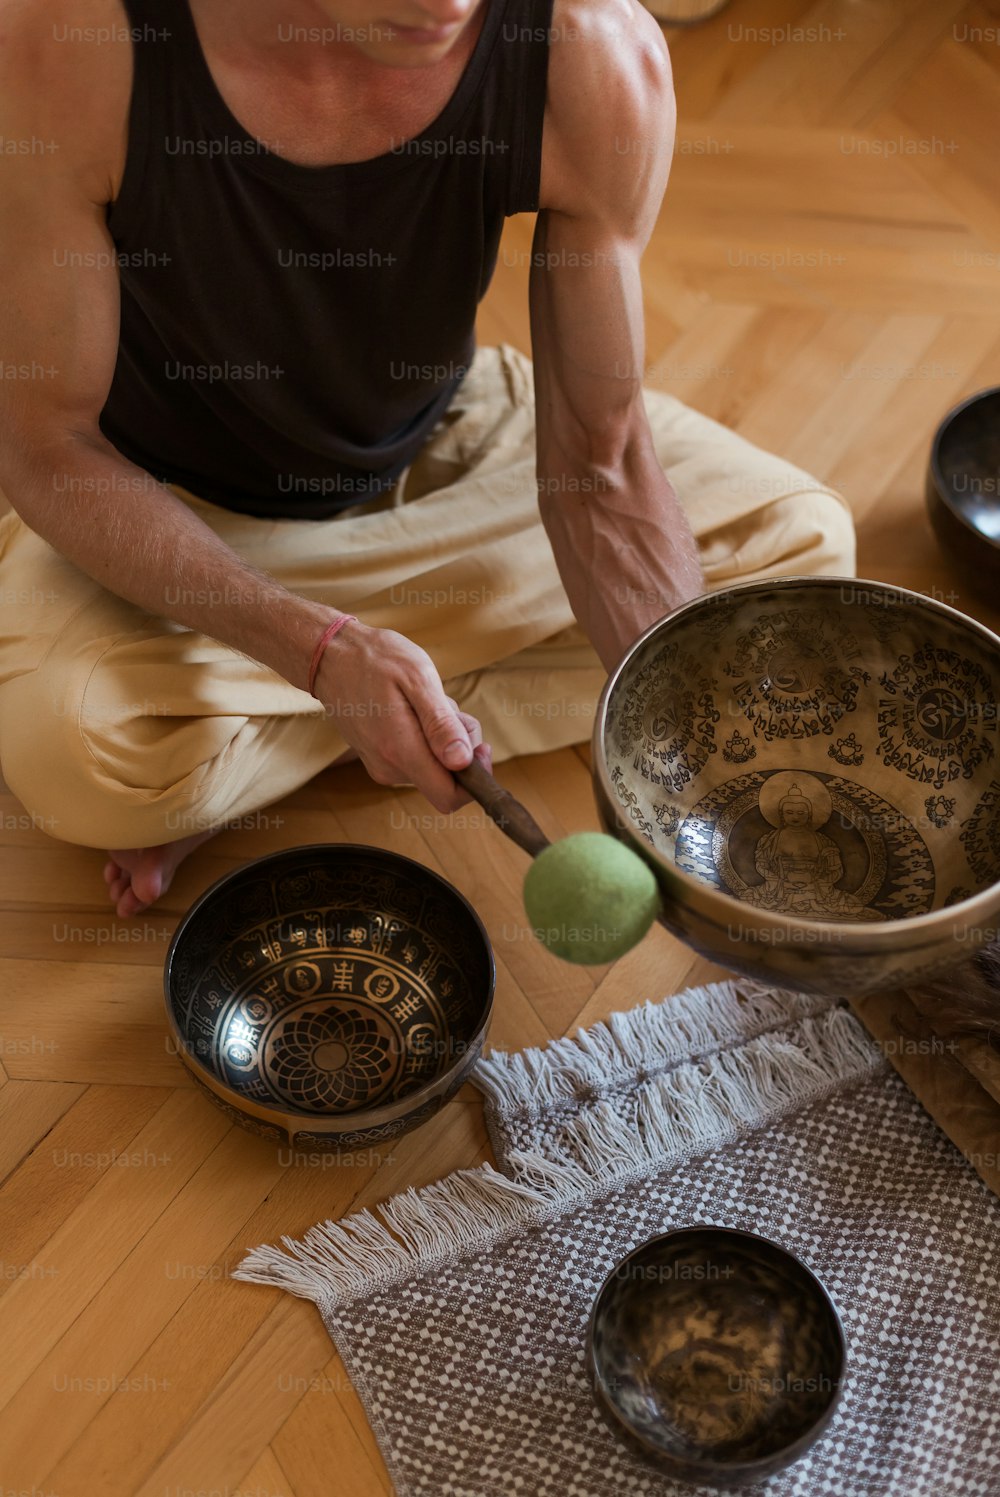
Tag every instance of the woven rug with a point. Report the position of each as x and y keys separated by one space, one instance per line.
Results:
x=461 y=1313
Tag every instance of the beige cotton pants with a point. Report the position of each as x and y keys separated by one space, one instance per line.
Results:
x=121 y=729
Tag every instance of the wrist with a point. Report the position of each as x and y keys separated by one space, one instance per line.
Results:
x=329 y=632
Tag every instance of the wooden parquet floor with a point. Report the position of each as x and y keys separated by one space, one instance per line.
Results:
x=825 y=278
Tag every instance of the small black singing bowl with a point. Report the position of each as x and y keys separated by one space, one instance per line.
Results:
x=330 y=996
x=963 y=489
x=715 y=1355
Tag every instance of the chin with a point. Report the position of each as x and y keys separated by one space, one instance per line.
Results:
x=400 y=55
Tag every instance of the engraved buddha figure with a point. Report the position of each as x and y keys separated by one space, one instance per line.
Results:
x=800 y=867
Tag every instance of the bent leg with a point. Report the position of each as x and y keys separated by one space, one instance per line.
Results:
x=753 y=515
x=120 y=729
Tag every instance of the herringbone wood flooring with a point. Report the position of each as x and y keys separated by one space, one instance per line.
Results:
x=825 y=277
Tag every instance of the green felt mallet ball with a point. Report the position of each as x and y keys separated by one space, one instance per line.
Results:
x=589 y=898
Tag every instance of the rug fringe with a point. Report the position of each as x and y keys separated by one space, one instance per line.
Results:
x=335 y=1259
x=654 y=1036
x=679 y=1111
x=701 y=1104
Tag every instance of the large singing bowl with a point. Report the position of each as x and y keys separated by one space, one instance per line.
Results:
x=330 y=996
x=809 y=765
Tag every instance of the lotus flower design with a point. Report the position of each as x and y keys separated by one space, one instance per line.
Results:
x=332 y=1060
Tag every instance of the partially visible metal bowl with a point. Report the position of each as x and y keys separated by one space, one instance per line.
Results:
x=810 y=767
x=332 y=995
x=963 y=490
x=715 y=1355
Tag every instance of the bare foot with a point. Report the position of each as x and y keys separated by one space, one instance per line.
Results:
x=137 y=876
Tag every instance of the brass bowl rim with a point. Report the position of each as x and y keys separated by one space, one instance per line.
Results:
x=942 y=493
x=786 y=1454
x=320 y=1122
x=858 y=938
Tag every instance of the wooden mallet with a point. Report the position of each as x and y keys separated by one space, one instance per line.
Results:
x=589 y=898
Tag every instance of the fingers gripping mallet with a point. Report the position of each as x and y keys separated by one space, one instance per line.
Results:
x=588 y=897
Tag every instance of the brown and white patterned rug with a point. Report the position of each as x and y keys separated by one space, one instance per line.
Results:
x=463 y=1327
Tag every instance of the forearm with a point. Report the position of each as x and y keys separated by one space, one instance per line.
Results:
x=139 y=540
x=622 y=543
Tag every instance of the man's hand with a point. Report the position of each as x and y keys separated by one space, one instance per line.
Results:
x=387 y=699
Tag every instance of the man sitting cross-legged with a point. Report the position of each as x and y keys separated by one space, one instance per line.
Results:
x=241 y=273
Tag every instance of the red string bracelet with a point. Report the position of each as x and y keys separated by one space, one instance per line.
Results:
x=323 y=641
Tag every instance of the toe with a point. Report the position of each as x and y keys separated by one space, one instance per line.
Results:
x=147 y=884
x=131 y=904
x=118 y=886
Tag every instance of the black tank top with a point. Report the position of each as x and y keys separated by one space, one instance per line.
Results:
x=291 y=334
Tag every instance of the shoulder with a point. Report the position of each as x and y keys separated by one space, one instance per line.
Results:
x=65 y=84
x=610 y=100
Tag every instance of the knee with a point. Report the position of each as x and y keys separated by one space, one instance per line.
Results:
x=46 y=764
x=53 y=764
x=137 y=777
x=829 y=543
x=804 y=534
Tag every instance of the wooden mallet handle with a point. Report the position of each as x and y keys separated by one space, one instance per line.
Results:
x=503 y=808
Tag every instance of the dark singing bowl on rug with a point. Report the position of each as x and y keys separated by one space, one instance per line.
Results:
x=963 y=490
x=715 y=1355
x=810 y=767
x=331 y=996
